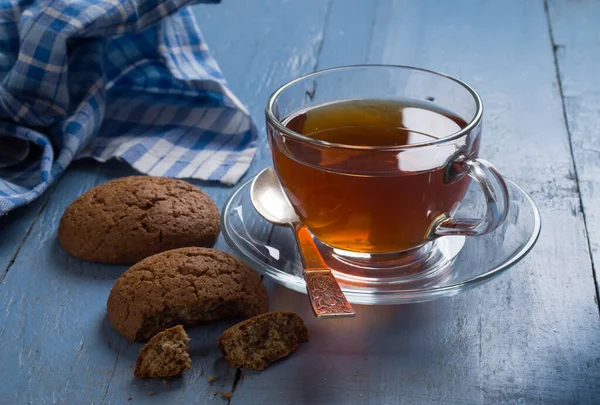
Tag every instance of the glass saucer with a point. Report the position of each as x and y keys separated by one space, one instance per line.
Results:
x=471 y=261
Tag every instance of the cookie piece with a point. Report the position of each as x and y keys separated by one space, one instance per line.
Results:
x=126 y=220
x=257 y=342
x=165 y=355
x=183 y=286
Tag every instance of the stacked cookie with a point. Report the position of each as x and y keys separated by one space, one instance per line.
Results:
x=168 y=227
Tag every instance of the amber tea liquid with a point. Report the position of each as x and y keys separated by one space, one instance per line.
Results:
x=361 y=201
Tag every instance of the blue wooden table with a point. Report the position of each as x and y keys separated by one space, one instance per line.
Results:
x=531 y=336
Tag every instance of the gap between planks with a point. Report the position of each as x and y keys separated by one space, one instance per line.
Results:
x=322 y=37
x=555 y=47
x=27 y=232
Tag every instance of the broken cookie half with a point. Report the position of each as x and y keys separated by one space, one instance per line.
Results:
x=183 y=286
x=259 y=341
x=165 y=355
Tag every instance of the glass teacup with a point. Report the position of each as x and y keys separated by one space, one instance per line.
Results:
x=376 y=159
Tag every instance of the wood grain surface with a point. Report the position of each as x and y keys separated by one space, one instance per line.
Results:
x=531 y=336
x=576 y=38
x=515 y=340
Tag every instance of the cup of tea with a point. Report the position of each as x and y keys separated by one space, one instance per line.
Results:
x=375 y=159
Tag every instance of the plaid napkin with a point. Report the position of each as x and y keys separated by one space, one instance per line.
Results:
x=130 y=79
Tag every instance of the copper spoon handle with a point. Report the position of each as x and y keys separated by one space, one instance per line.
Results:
x=326 y=296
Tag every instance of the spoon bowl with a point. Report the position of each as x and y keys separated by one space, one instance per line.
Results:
x=269 y=199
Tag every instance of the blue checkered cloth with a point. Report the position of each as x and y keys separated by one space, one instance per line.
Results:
x=129 y=79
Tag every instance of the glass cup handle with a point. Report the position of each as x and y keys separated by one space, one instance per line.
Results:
x=496 y=197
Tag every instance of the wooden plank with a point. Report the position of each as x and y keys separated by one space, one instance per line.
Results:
x=350 y=26
x=264 y=45
x=576 y=35
x=53 y=317
x=529 y=336
x=57 y=344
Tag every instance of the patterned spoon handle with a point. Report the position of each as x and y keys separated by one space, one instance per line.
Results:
x=326 y=296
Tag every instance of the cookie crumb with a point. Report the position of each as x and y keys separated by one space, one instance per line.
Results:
x=211 y=379
x=215 y=393
x=152 y=393
x=226 y=395
x=129 y=398
x=167 y=382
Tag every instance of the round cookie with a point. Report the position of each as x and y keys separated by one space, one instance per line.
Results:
x=183 y=286
x=126 y=220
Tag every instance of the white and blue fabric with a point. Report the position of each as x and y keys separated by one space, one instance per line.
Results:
x=102 y=79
